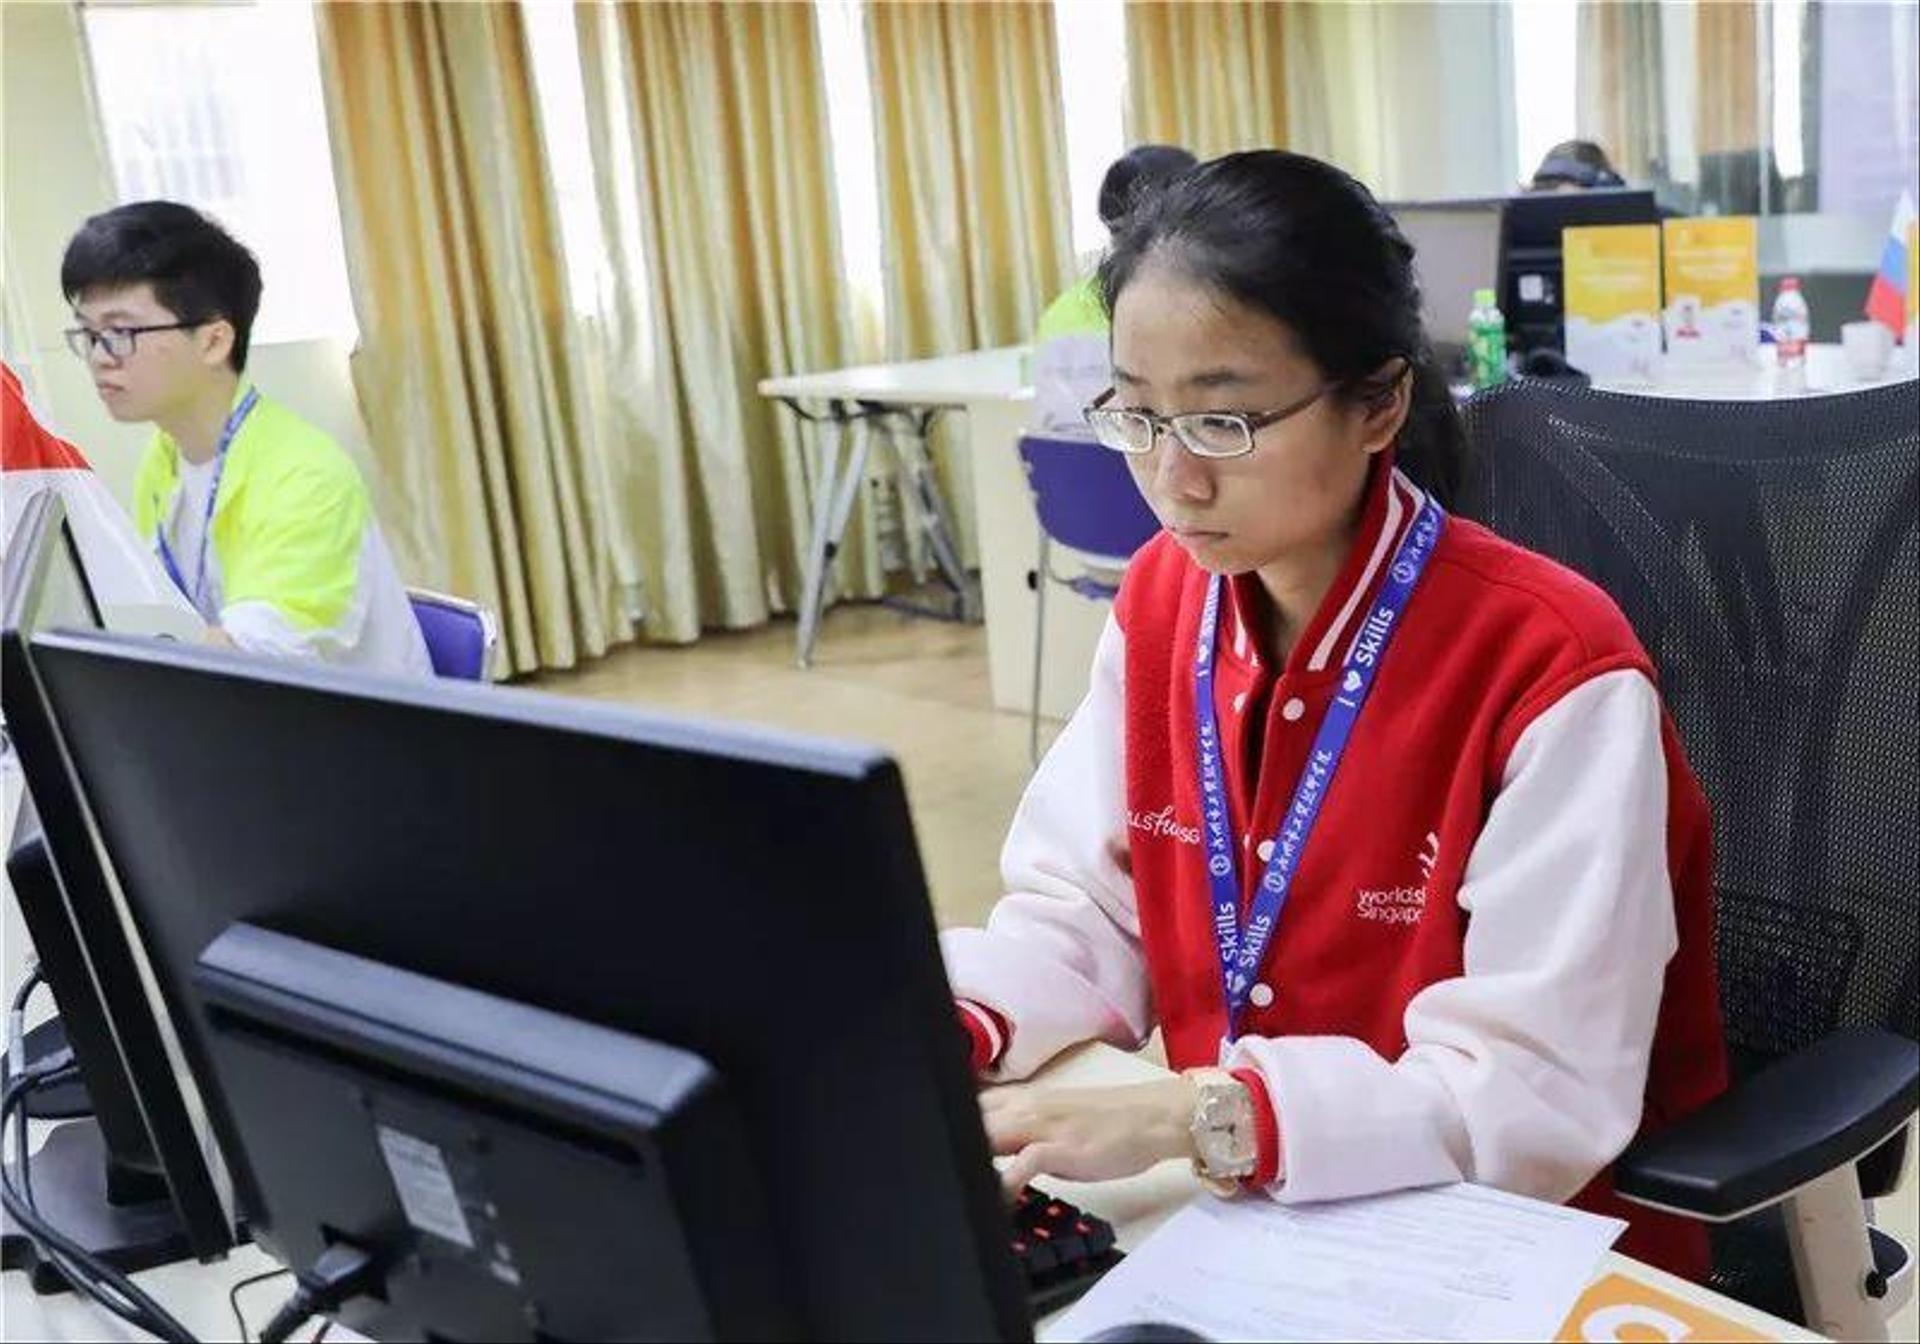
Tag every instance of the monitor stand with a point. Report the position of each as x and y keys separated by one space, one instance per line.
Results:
x=126 y=1217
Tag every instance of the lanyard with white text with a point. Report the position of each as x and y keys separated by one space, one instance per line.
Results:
x=231 y=428
x=1241 y=952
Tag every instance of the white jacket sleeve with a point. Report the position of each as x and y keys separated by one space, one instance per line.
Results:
x=1528 y=1072
x=1060 y=957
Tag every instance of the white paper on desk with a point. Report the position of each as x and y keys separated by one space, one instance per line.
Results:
x=1456 y=1262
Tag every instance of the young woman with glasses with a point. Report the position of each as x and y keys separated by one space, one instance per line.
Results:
x=1377 y=817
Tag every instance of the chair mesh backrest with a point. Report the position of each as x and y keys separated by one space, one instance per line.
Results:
x=1768 y=555
x=455 y=635
x=1085 y=496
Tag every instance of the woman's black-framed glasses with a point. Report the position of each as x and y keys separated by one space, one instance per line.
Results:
x=119 y=342
x=1213 y=434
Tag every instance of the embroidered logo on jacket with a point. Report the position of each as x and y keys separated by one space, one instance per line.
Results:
x=1400 y=905
x=1162 y=824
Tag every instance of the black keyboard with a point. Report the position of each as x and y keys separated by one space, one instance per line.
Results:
x=1063 y=1250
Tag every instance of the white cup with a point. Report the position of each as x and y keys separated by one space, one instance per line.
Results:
x=1868 y=345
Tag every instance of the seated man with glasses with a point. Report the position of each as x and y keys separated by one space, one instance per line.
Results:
x=259 y=518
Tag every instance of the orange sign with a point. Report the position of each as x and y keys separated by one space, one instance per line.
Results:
x=1620 y=1310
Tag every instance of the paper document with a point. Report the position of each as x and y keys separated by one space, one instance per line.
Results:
x=1457 y=1262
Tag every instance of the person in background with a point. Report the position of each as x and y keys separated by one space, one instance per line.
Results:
x=1070 y=347
x=1376 y=816
x=1575 y=165
x=259 y=518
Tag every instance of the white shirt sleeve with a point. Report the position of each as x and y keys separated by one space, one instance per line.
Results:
x=1060 y=957
x=1529 y=1071
x=258 y=626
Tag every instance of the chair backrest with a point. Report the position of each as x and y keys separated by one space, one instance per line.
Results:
x=1768 y=555
x=459 y=634
x=1085 y=496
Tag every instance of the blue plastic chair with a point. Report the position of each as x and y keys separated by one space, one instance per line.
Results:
x=460 y=635
x=1086 y=501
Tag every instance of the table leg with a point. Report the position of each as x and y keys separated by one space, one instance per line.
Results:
x=935 y=519
x=834 y=492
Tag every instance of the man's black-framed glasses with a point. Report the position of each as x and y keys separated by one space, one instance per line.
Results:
x=119 y=342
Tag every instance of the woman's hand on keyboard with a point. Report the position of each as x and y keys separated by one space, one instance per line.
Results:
x=1088 y=1133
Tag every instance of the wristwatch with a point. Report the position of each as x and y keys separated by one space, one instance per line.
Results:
x=1226 y=1150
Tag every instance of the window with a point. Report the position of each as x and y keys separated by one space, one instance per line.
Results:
x=554 y=49
x=1092 y=46
x=856 y=180
x=220 y=106
x=1543 y=79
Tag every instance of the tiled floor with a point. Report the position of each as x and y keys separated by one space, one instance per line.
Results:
x=916 y=687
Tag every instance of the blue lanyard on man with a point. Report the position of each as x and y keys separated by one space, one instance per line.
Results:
x=198 y=591
x=1242 y=950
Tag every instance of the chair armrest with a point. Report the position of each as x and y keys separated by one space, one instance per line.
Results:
x=1805 y=1116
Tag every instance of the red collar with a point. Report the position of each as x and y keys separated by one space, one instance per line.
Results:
x=1391 y=503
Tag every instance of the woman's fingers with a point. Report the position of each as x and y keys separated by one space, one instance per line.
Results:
x=1019 y=1173
x=1012 y=1119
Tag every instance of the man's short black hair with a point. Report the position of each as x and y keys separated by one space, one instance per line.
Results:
x=198 y=270
x=1137 y=174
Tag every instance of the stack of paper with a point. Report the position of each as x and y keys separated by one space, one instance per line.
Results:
x=1457 y=1262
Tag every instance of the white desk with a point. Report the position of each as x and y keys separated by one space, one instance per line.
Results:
x=1137 y=1206
x=1827 y=374
x=197 y=1294
x=991 y=387
x=849 y=406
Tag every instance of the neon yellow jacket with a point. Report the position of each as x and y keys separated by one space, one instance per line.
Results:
x=297 y=561
x=1070 y=360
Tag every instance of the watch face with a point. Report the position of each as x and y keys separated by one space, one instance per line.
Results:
x=1223 y=1136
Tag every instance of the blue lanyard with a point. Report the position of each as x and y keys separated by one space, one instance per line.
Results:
x=195 y=593
x=1241 y=951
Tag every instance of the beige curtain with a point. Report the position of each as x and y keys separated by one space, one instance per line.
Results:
x=974 y=220
x=1210 y=75
x=973 y=171
x=467 y=371
x=708 y=127
x=1363 y=90
x=1726 y=47
x=1617 y=84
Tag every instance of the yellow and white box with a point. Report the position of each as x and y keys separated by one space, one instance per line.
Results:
x=1713 y=290
x=1612 y=277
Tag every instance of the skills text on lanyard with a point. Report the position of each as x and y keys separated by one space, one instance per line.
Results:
x=198 y=590
x=1242 y=950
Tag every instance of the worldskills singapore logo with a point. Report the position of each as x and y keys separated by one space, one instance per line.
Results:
x=1400 y=905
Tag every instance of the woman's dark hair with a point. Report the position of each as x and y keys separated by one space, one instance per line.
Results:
x=1136 y=175
x=1303 y=241
x=197 y=269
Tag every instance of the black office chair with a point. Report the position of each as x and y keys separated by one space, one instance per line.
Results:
x=1768 y=555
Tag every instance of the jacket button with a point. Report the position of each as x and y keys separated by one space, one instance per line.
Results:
x=1265 y=851
x=1261 y=996
x=1293 y=709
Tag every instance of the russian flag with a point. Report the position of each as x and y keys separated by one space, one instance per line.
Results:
x=1887 y=299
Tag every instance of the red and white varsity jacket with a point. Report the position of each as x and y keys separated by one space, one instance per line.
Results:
x=1496 y=962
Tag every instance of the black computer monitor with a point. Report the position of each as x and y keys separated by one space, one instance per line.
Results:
x=1531 y=286
x=1456 y=250
x=137 y=1183
x=751 y=901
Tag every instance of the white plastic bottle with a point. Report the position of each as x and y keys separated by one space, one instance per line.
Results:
x=1791 y=324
